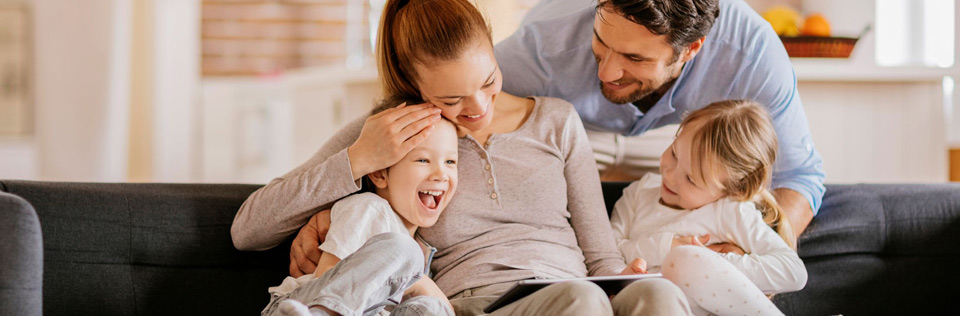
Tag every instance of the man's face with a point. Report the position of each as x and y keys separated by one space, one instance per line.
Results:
x=633 y=62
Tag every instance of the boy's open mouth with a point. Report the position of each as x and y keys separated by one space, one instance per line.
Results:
x=430 y=199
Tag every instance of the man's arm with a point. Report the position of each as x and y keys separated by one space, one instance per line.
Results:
x=795 y=207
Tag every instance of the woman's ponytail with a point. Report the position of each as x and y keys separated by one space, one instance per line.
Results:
x=394 y=81
x=421 y=32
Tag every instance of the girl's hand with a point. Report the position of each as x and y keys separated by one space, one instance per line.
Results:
x=389 y=135
x=637 y=266
x=690 y=240
x=726 y=248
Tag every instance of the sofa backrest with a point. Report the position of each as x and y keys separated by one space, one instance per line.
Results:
x=147 y=249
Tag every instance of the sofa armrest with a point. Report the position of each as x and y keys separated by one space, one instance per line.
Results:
x=21 y=269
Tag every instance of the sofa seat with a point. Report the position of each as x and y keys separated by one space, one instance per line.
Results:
x=165 y=249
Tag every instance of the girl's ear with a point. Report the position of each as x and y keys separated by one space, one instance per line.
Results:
x=379 y=178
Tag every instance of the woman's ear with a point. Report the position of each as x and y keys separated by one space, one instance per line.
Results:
x=379 y=178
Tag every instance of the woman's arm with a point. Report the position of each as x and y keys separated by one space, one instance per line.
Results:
x=365 y=145
x=282 y=206
x=768 y=261
x=588 y=214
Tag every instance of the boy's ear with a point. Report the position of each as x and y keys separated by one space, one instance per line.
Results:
x=379 y=178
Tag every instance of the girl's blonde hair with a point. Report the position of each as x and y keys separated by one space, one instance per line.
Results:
x=417 y=32
x=736 y=138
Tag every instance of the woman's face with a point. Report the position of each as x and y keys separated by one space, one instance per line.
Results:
x=464 y=88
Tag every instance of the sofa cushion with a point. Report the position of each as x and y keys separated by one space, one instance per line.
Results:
x=21 y=269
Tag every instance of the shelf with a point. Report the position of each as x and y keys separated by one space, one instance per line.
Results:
x=837 y=69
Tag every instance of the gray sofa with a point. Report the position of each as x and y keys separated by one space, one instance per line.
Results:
x=165 y=249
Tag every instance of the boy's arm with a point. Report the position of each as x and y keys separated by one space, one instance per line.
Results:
x=326 y=262
x=426 y=287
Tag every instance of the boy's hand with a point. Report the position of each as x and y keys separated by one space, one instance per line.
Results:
x=690 y=240
x=637 y=266
x=426 y=287
x=305 y=250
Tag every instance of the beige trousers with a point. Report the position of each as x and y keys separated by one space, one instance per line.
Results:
x=644 y=297
x=628 y=158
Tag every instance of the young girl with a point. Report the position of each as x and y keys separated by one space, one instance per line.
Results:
x=714 y=189
x=369 y=255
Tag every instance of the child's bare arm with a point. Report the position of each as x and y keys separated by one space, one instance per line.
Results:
x=426 y=287
x=326 y=262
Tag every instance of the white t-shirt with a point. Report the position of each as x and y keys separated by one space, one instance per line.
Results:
x=353 y=220
x=644 y=228
x=357 y=218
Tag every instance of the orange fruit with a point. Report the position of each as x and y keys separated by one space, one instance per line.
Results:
x=815 y=25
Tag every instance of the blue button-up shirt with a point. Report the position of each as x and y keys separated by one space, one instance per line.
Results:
x=741 y=58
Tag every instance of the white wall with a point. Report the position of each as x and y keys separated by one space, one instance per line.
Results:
x=176 y=67
x=82 y=88
x=82 y=58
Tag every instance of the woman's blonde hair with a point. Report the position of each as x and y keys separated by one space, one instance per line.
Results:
x=418 y=32
x=736 y=138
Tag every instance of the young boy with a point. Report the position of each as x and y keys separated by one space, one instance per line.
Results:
x=369 y=255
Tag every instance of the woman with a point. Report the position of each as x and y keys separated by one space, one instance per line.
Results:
x=529 y=203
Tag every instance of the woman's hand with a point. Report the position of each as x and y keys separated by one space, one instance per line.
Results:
x=690 y=240
x=637 y=266
x=305 y=250
x=389 y=135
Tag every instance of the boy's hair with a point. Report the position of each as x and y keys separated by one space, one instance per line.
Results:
x=683 y=21
x=736 y=138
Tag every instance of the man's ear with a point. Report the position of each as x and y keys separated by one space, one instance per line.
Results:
x=692 y=49
x=379 y=178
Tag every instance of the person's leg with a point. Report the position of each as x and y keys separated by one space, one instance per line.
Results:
x=565 y=298
x=714 y=284
x=651 y=297
x=422 y=305
x=384 y=267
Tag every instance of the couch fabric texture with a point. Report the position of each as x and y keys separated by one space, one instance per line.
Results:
x=165 y=249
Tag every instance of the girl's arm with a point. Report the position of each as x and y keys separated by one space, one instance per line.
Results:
x=588 y=215
x=626 y=213
x=768 y=261
x=282 y=206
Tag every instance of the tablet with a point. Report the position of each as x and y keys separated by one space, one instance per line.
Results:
x=610 y=284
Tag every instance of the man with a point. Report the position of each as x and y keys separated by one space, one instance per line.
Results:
x=631 y=66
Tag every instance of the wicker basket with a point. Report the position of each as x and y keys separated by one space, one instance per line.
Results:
x=819 y=46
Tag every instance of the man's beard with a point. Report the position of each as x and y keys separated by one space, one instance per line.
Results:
x=642 y=92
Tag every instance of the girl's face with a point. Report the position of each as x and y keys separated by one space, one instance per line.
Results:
x=680 y=189
x=464 y=88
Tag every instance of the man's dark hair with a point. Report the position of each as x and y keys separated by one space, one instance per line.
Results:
x=682 y=21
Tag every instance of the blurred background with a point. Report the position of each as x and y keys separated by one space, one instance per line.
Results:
x=245 y=90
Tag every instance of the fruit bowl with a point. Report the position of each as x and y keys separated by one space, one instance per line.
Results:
x=818 y=46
